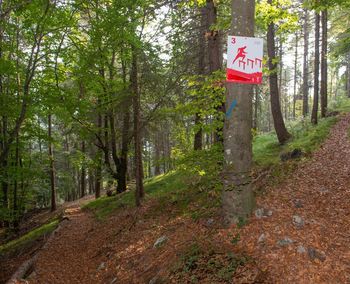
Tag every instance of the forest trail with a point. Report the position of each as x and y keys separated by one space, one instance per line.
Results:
x=312 y=248
x=306 y=239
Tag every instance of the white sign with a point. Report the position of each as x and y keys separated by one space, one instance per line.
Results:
x=244 y=60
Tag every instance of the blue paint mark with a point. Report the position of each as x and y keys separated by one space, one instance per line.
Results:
x=233 y=105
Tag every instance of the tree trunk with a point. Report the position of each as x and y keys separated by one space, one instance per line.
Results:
x=348 y=77
x=281 y=131
x=139 y=193
x=306 y=65
x=198 y=136
x=98 y=178
x=295 y=74
x=123 y=164
x=52 y=166
x=237 y=196
x=316 y=68
x=214 y=53
x=83 y=172
x=324 y=65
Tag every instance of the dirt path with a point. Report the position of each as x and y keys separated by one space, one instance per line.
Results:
x=319 y=193
x=120 y=250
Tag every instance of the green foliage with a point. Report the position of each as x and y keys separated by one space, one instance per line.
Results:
x=198 y=263
x=29 y=237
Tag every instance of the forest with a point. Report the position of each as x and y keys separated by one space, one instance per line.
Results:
x=122 y=111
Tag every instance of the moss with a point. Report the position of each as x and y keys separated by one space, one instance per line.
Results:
x=29 y=237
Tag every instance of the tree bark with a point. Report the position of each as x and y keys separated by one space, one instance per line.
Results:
x=52 y=166
x=237 y=196
x=306 y=64
x=83 y=172
x=348 y=77
x=295 y=74
x=316 y=68
x=139 y=193
x=281 y=131
x=214 y=53
x=324 y=65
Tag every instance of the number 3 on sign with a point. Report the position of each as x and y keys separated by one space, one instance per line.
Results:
x=233 y=41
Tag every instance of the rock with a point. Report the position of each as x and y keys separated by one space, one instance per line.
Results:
x=154 y=280
x=262 y=238
x=298 y=203
x=102 y=266
x=210 y=222
x=295 y=154
x=316 y=254
x=263 y=213
x=161 y=241
x=301 y=249
x=285 y=242
x=298 y=221
x=324 y=191
x=114 y=280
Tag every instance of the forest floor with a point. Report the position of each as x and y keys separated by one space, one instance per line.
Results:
x=299 y=234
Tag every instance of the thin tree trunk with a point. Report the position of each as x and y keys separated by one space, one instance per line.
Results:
x=316 y=68
x=295 y=74
x=52 y=166
x=123 y=164
x=237 y=195
x=98 y=178
x=214 y=52
x=324 y=65
x=198 y=136
x=139 y=193
x=348 y=77
x=281 y=131
x=306 y=65
x=83 y=172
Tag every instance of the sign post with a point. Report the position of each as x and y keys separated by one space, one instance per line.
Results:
x=244 y=60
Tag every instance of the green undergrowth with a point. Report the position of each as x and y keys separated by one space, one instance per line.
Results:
x=305 y=136
x=172 y=192
x=29 y=238
x=208 y=264
x=194 y=188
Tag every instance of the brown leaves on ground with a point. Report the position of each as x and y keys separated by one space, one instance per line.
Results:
x=120 y=250
x=319 y=192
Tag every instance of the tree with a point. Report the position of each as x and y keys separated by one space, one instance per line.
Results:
x=324 y=65
x=306 y=64
x=316 y=68
x=281 y=130
x=237 y=196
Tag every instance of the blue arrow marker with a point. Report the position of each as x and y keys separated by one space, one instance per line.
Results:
x=233 y=105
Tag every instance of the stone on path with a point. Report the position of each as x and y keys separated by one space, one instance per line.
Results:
x=285 y=242
x=263 y=213
x=298 y=221
x=162 y=240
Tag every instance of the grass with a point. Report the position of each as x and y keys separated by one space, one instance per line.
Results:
x=307 y=137
x=29 y=237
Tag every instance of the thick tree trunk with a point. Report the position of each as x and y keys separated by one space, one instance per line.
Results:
x=281 y=131
x=237 y=196
x=52 y=166
x=306 y=65
x=316 y=68
x=324 y=65
x=139 y=193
